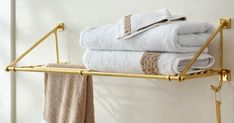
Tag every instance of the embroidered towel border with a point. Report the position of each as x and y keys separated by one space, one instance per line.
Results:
x=127 y=24
x=149 y=62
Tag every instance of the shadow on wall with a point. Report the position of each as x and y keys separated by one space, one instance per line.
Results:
x=123 y=98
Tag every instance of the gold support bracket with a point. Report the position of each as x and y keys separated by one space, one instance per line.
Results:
x=227 y=22
x=58 y=27
x=225 y=75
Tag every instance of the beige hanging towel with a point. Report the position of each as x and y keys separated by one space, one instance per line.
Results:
x=68 y=98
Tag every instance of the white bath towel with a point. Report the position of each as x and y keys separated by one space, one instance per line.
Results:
x=131 y=25
x=144 y=62
x=182 y=36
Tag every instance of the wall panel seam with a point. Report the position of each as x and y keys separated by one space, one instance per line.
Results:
x=12 y=57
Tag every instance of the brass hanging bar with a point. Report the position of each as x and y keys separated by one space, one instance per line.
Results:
x=218 y=100
x=42 y=68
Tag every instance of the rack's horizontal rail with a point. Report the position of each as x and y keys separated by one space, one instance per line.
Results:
x=41 y=68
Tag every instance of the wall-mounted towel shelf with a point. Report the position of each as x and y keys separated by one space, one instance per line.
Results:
x=224 y=74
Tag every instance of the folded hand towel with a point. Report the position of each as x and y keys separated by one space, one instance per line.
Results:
x=132 y=25
x=144 y=62
x=176 y=36
x=68 y=98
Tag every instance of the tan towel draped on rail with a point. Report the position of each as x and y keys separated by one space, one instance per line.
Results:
x=68 y=98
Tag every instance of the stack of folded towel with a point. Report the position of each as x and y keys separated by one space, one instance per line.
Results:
x=151 y=43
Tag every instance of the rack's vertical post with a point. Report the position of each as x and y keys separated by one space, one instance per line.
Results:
x=56 y=46
x=221 y=49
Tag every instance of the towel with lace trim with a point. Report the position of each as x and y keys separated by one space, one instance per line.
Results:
x=144 y=62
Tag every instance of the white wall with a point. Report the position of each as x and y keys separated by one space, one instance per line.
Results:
x=120 y=100
x=4 y=60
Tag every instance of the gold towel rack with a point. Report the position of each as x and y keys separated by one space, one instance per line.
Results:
x=224 y=74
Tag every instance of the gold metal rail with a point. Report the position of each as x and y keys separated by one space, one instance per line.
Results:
x=224 y=74
x=42 y=68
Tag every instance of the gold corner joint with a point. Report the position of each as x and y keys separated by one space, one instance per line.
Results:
x=227 y=21
x=225 y=75
x=7 y=69
x=60 y=26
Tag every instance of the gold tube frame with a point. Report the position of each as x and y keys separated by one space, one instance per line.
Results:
x=224 y=74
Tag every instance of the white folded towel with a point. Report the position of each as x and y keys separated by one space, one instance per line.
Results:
x=132 y=25
x=179 y=36
x=144 y=62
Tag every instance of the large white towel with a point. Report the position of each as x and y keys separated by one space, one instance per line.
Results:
x=182 y=36
x=144 y=62
x=131 y=25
